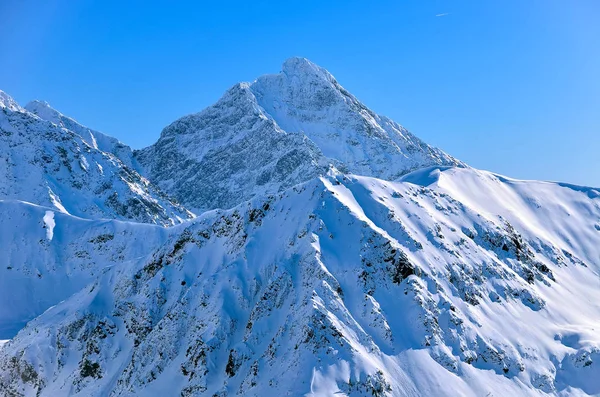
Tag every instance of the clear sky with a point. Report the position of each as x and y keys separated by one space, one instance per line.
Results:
x=511 y=86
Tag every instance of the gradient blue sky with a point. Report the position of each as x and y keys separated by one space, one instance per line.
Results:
x=510 y=86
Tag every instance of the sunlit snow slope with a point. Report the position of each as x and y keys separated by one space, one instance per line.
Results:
x=450 y=282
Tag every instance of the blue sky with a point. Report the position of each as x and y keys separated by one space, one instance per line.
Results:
x=510 y=86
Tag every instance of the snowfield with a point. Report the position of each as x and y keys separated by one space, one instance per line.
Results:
x=47 y=258
x=342 y=276
x=344 y=284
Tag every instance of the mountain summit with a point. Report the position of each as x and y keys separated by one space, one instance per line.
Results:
x=7 y=102
x=280 y=130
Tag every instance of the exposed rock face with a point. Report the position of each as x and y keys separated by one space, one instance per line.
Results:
x=48 y=162
x=229 y=153
x=278 y=131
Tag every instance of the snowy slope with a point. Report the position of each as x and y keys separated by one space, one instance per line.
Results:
x=6 y=102
x=449 y=282
x=48 y=256
x=276 y=132
x=47 y=163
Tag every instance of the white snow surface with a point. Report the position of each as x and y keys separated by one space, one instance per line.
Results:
x=344 y=285
x=6 y=102
x=94 y=139
x=306 y=99
x=49 y=224
x=37 y=272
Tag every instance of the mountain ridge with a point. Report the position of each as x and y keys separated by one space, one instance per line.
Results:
x=48 y=162
x=368 y=282
x=265 y=136
x=93 y=138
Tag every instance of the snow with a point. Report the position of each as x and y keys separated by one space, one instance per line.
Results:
x=280 y=130
x=49 y=224
x=94 y=139
x=55 y=200
x=6 y=102
x=47 y=163
x=471 y=317
x=39 y=270
x=305 y=98
x=354 y=259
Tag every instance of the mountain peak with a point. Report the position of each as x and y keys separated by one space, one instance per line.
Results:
x=53 y=161
x=278 y=131
x=304 y=69
x=43 y=110
x=93 y=138
x=6 y=101
x=38 y=103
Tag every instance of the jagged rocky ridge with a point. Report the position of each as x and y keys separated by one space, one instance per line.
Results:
x=344 y=284
x=93 y=138
x=276 y=132
x=51 y=160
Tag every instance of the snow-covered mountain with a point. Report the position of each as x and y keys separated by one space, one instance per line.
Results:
x=51 y=160
x=276 y=132
x=353 y=260
x=344 y=284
